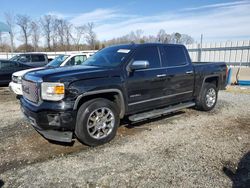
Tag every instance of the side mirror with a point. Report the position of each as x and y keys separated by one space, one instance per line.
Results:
x=137 y=65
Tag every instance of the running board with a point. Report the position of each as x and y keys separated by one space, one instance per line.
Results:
x=158 y=112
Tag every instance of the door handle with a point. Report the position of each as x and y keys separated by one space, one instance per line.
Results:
x=161 y=75
x=189 y=72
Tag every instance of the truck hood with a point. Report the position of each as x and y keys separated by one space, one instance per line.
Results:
x=70 y=73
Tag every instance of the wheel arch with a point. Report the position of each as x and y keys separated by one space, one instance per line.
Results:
x=211 y=79
x=114 y=95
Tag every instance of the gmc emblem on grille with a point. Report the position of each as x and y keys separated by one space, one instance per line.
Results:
x=26 y=89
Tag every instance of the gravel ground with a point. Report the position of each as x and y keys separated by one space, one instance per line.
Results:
x=185 y=149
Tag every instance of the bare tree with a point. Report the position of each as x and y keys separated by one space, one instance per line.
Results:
x=79 y=33
x=138 y=34
x=61 y=34
x=59 y=27
x=161 y=35
x=35 y=34
x=47 y=23
x=177 y=37
x=1 y=42
x=54 y=35
x=1 y=39
x=67 y=27
x=90 y=35
x=23 y=21
x=186 y=39
x=10 y=21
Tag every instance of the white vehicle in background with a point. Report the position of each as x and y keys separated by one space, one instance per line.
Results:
x=60 y=61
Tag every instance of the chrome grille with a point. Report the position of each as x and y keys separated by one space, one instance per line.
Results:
x=30 y=91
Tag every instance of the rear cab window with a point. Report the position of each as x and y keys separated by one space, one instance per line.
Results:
x=150 y=54
x=174 y=55
x=37 y=58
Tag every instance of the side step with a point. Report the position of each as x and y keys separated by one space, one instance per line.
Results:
x=158 y=112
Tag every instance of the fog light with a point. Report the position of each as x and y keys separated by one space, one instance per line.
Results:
x=54 y=119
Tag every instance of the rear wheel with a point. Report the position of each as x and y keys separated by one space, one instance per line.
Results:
x=97 y=122
x=207 y=98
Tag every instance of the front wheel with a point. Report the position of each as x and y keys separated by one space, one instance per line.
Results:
x=97 y=122
x=207 y=98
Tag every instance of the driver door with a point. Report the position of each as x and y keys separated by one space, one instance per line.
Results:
x=145 y=86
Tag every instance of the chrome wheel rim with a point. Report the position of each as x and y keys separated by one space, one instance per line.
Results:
x=100 y=123
x=210 y=97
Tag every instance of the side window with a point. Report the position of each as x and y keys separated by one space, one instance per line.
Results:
x=77 y=60
x=149 y=54
x=80 y=59
x=24 y=58
x=38 y=58
x=174 y=56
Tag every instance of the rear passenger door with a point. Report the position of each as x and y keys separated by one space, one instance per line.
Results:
x=179 y=83
x=145 y=86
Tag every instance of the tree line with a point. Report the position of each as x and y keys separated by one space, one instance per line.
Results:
x=50 y=33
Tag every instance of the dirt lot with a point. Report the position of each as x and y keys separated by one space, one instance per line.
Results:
x=185 y=149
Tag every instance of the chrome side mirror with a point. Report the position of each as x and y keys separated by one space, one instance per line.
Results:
x=137 y=65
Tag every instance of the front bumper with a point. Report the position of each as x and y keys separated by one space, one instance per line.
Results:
x=53 y=125
x=16 y=88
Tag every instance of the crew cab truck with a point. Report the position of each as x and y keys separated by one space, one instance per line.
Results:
x=136 y=81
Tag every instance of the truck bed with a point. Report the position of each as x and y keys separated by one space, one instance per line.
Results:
x=202 y=69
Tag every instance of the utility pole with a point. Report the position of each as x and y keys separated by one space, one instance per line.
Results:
x=200 y=48
x=11 y=43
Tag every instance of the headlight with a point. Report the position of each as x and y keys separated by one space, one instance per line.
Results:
x=17 y=79
x=52 y=91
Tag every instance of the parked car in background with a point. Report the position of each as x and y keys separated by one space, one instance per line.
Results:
x=68 y=60
x=32 y=59
x=59 y=61
x=7 y=68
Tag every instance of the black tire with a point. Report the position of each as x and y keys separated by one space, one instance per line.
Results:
x=83 y=114
x=201 y=101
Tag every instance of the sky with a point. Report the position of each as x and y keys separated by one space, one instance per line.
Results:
x=216 y=20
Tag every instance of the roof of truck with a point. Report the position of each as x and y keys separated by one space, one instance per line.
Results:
x=33 y=53
x=134 y=45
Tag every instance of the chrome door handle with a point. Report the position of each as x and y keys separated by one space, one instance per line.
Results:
x=189 y=72
x=161 y=75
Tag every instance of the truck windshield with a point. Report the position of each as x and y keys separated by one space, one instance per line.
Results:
x=15 y=58
x=108 y=57
x=22 y=58
x=57 y=61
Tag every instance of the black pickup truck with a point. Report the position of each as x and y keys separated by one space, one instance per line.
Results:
x=136 y=81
